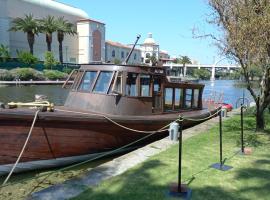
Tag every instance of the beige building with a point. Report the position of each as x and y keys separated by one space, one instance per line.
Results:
x=88 y=45
x=117 y=52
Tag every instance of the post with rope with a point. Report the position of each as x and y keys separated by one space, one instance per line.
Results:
x=178 y=189
x=220 y=165
x=244 y=150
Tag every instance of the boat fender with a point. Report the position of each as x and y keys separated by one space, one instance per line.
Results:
x=174 y=131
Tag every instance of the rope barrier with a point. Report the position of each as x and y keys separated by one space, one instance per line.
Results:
x=21 y=153
x=202 y=119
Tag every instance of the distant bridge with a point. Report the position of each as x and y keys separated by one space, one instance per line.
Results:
x=213 y=67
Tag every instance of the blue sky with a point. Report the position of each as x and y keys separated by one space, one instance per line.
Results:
x=171 y=23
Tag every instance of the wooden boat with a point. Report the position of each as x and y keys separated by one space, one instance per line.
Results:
x=108 y=106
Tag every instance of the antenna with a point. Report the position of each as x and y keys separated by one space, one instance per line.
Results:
x=130 y=52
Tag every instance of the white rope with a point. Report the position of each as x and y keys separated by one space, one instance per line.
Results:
x=120 y=125
x=203 y=119
x=21 y=153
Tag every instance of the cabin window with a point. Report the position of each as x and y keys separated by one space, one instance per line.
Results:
x=131 y=84
x=188 y=98
x=87 y=81
x=116 y=86
x=157 y=85
x=103 y=82
x=178 y=98
x=145 y=85
x=195 y=98
x=168 y=99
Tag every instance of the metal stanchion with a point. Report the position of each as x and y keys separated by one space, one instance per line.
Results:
x=220 y=165
x=178 y=189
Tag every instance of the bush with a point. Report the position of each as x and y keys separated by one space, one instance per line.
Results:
x=26 y=74
x=54 y=74
x=27 y=58
x=50 y=61
x=67 y=70
x=5 y=75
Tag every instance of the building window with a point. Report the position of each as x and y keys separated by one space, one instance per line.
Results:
x=135 y=56
x=147 y=55
x=113 y=53
x=122 y=54
x=127 y=54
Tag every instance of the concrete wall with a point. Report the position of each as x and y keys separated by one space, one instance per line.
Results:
x=85 y=33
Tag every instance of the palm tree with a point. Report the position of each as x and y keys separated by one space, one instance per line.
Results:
x=63 y=27
x=185 y=60
x=48 y=26
x=27 y=25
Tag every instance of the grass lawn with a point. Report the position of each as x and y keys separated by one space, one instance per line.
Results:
x=249 y=178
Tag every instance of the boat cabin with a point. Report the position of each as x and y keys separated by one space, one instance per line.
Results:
x=131 y=90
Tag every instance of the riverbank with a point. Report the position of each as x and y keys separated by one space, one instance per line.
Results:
x=249 y=178
x=18 y=83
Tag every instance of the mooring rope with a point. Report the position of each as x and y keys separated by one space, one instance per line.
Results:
x=202 y=119
x=120 y=125
x=22 y=151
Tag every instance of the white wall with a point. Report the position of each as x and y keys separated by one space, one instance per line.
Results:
x=118 y=50
x=40 y=9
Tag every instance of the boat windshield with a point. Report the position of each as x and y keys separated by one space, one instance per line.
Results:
x=103 y=82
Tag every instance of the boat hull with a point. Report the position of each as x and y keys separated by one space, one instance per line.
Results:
x=69 y=134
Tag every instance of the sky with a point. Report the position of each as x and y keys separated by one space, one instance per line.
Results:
x=171 y=23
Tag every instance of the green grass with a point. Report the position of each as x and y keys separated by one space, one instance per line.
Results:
x=249 y=178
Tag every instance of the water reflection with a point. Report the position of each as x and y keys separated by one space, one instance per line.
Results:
x=55 y=93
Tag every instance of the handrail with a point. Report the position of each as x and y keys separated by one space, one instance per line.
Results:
x=69 y=76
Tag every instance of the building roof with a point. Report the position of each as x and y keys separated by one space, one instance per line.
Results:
x=59 y=7
x=117 y=44
x=91 y=20
x=149 y=40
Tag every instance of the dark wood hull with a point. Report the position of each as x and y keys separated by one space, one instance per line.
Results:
x=60 y=134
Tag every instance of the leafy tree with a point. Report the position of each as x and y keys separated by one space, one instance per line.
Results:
x=50 y=61
x=48 y=26
x=64 y=27
x=203 y=74
x=27 y=58
x=245 y=38
x=4 y=53
x=153 y=60
x=116 y=61
x=27 y=25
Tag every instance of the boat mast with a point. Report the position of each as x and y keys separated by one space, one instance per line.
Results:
x=130 y=52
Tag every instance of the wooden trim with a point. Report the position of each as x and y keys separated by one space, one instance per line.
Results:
x=111 y=82
x=80 y=81
x=95 y=82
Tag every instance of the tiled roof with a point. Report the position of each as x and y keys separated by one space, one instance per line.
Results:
x=117 y=44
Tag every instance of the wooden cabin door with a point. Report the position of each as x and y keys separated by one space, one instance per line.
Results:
x=157 y=96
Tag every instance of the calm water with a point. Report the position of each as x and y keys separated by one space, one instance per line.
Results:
x=55 y=93
x=58 y=95
x=231 y=93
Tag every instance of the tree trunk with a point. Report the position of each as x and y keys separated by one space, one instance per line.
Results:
x=60 y=52
x=259 y=117
x=31 y=41
x=49 y=41
x=60 y=37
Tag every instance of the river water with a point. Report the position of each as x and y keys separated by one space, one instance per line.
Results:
x=57 y=95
